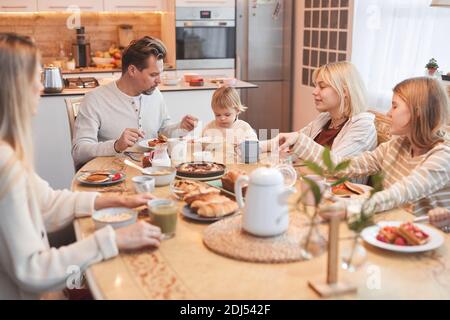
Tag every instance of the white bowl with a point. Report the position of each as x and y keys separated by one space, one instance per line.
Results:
x=161 y=180
x=105 y=217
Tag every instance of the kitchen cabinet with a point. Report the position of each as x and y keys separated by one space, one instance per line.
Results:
x=62 y=5
x=134 y=5
x=18 y=6
x=205 y=3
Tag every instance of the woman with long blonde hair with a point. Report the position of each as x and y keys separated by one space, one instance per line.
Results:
x=343 y=124
x=29 y=208
x=415 y=163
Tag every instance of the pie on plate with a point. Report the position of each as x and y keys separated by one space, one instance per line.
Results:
x=200 y=169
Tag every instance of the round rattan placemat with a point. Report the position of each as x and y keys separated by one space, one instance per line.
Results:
x=227 y=238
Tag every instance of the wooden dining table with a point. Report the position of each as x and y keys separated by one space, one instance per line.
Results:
x=184 y=268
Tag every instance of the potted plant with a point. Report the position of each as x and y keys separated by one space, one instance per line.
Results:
x=432 y=67
x=356 y=222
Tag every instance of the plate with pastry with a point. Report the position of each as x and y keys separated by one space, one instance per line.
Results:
x=153 y=143
x=101 y=178
x=201 y=170
x=351 y=190
x=209 y=207
x=400 y=236
x=180 y=188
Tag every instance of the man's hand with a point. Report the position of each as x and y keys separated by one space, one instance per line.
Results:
x=128 y=139
x=189 y=123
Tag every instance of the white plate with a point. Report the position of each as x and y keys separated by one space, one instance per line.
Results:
x=188 y=213
x=80 y=178
x=365 y=195
x=144 y=144
x=370 y=236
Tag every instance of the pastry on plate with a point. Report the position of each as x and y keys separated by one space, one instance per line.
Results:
x=347 y=189
x=406 y=234
x=213 y=205
x=97 y=177
x=200 y=194
x=413 y=235
x=230 y=178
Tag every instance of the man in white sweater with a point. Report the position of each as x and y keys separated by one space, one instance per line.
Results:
x=116 y=116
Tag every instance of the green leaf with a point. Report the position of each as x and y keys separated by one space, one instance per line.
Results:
x=343 y=165
x=326 y=157
x=315 y=189
x=360 y=221
x=340 y=181
x=377 y=183
x=314 y=167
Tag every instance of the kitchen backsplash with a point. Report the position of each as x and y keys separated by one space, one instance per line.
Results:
x=49 y=29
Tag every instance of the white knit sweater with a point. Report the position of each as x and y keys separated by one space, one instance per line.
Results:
x=28 y=210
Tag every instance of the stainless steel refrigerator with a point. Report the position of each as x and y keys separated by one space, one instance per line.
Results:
x=264 y=57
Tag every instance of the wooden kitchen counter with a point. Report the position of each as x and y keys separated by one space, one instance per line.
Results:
x=182 y=86
x=183 y=268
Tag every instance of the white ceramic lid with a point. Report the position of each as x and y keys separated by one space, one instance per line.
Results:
x=266 y=177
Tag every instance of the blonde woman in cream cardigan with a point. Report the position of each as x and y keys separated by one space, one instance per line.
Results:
x=29 y=208
x=343 y=123
x=415 y=163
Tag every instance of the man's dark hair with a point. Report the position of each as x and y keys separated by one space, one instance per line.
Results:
x=139 y=50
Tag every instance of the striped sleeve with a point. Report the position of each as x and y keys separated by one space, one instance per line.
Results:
x=428 y=178
x=365 y=164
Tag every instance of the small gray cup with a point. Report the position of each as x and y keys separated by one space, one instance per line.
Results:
x=250 y=151
x=143 y=184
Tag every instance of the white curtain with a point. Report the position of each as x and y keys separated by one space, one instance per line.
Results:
x=394 y=40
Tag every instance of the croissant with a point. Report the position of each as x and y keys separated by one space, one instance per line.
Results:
x=200 y=194
x=208 y=199
x=217 y=209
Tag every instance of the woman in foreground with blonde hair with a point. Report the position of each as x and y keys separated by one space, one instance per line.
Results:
x=29 y=208
x=415 y=163
x=343 y=124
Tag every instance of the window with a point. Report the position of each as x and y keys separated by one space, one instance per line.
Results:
x=393 y=41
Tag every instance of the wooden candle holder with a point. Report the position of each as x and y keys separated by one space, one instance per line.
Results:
x=332 y=286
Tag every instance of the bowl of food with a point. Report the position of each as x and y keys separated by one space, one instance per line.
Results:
x=163 y=175
x=115 y=217
x=102 y=61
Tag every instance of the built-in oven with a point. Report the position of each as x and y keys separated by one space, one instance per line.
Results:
x=205 y=38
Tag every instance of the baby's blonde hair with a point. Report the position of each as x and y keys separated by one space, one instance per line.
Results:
x=227 y=98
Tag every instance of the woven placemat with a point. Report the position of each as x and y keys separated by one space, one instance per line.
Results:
x=227 y=238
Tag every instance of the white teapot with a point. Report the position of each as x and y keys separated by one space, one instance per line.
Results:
x=266 y=211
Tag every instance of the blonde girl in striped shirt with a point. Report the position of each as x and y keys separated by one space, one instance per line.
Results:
x=415 y=163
